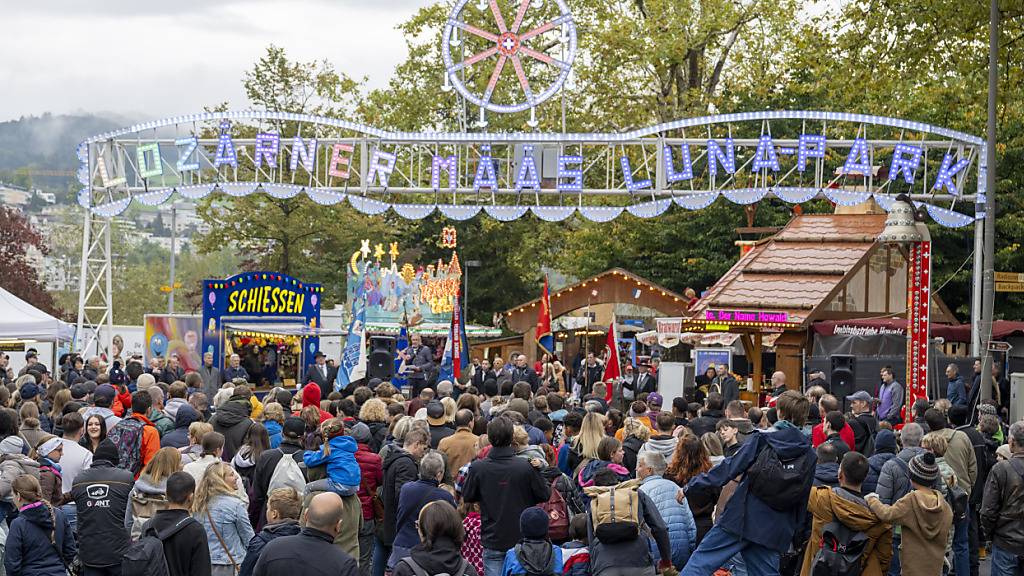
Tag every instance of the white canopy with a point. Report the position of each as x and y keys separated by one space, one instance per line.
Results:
x=20 y=320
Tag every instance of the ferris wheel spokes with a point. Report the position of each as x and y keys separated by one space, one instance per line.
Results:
x=473 y=30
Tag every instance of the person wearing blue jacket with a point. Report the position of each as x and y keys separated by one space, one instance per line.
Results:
x=534 y=554
x=748 y=525
x=956 y=392
x=412 y=499
x=682 y=530
x=339 y=454
x=30 y=551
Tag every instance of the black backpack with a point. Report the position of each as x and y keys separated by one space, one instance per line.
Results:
x=780 y=483
x=145 y=556
x=840 y=551
x=957 y=499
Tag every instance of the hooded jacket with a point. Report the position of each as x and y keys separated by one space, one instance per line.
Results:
x=664 y=443
x=12 y=466
x=162 y=422
x=925 y=519
x=187 y=551
x=399 y=468
x=178 y=437
x=746 y=515
x=894 y=479
x=706 y=422
x=273 y=431
x=961 y=458
x=875 y=464
x=147 y=497
x=533 y=557
x=173 y=405
x=378 y=434
x=232 y=420
x=826 y=474
x=287 y=527
x=29 y=550
x=101 y=498
x=444 y=557
x=631 y=449
x=371 y=476
x=342 y=467
x=311 y=397
x=850 y=509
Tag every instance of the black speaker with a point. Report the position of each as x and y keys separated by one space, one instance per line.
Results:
x=381 y=359
x=843 y=377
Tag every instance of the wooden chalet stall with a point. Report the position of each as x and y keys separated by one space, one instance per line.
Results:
x=600 y=293
x=818 y=267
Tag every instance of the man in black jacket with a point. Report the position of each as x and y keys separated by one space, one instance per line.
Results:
x=399 y=467
x=504 y=485
x=312 y=551
x=232 y=420
x=709 y=416
x=186 y=548
x=291 y=446
x=101 y=498
x=630 y=555
x=523 y=373
x=863 y=422
x=958 y=416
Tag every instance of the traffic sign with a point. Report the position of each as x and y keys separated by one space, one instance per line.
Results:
x=998 y=346
x=1009 y=277
x=1009 y=286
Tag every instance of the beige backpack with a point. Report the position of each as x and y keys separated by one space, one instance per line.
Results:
x=615 y=511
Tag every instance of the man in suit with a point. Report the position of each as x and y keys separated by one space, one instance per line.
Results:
x=419 y=360
x=319 y=373
x=212 y=378
x=645 y=381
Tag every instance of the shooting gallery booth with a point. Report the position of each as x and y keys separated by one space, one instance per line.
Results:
x=271 y=320
x=819 y=267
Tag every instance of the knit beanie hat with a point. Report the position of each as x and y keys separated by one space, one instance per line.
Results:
x=13 y=445
x=885 y=441
x=923 y=469
x=533 y=523
x=107 y=451
x=361 y=433
x=117 y=375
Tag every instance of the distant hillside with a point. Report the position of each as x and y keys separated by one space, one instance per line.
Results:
x=48 y=142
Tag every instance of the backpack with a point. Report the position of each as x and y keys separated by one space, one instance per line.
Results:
x=549 y=571
x=127 y=436
x=420 y=571
x=957 y=499
x=287 y=474
x=144 y=507
x=558 y=514
x=779 y=483
x=145 y=557
x=615 y=511
x=840 y=551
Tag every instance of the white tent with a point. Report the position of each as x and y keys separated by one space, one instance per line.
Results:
x=20 y=320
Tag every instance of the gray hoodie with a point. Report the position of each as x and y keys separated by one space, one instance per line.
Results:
x=664 y=444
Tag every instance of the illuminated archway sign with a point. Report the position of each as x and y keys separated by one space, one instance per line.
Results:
x=791 y=156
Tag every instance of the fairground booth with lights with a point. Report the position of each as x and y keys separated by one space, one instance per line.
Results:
x=271 y=320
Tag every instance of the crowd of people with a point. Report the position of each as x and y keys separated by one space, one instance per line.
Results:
x=112 y=471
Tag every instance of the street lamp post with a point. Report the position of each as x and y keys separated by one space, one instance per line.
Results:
x=905 y=230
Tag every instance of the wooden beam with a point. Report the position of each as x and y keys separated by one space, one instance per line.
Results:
x=758 y=375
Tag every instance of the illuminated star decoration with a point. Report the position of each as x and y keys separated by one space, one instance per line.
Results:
x=365 y=249
x=393 y=251
x=378 y=251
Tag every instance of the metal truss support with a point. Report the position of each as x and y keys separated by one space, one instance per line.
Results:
x=95 y=287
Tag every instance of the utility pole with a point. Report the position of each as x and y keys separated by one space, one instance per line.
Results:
x=174 y=238
x=988 y=275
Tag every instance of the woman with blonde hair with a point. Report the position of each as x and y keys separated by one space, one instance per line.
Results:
x=634 y=434
x=194 y=450
x=449 y=409
x=150 y=491
x=60 y=399
x=590 y=436
x=374 y=413
x=224 y=516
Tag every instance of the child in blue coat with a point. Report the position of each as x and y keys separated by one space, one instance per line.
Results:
x=534 y=554
x=339 y=454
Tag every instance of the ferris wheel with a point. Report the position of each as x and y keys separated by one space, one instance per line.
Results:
x=490 y=46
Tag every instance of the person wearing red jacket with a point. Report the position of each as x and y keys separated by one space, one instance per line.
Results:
x=826 y=404
x=311 y=397
x=371 y=470
x=149 y=443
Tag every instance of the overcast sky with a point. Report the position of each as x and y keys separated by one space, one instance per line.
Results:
x=148 y=60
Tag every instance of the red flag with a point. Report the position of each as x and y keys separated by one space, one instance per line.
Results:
x=611 y=369
x=544 y=337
